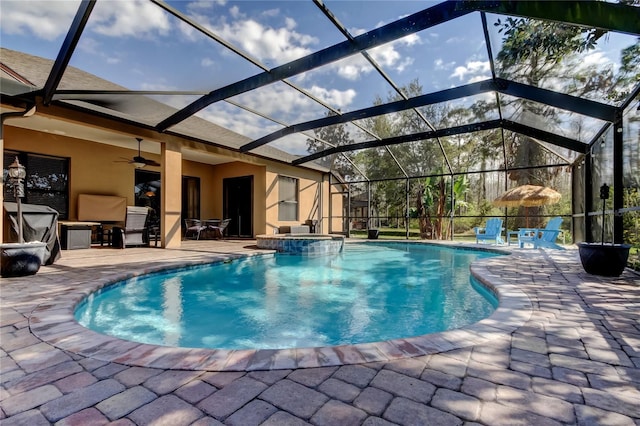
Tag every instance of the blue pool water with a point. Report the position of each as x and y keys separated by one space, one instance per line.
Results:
x=367 y=293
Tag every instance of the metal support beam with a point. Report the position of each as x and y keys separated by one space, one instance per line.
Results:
x=348 y=210
x=558 y=100
x=552 y=138
x=407 y=188
x=588 y=199
x=418 y=101
x=486 y=125
x=618 y=184
x=411 y=24
x=368 y=206
x=594 y=14
x=68 y=46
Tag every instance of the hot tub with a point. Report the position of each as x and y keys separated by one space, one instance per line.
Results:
x=310 y=244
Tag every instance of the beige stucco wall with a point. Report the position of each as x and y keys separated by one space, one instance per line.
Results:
x=210 y=200
x=310 y=200
x=239 y=169
x=94 y=170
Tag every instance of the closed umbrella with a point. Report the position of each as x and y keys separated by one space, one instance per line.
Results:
x=528 y=196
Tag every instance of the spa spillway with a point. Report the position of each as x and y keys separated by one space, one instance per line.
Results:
x=312 y=244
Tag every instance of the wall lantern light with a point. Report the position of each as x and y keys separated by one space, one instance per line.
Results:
x=17 y=174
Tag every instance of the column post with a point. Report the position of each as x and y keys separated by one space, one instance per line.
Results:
x=171 y=183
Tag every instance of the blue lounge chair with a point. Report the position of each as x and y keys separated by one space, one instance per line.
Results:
x=541 y=237
x=492 y=231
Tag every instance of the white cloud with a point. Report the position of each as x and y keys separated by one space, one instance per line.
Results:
x=205 y=4
x=275 y=45
x=337 y=98
x=407 y=62
x=129 y=19
x=93 y=47
x=471 y=70
x=241 y=122
x=271 y=12
x=387 y=56
x=44 y=19
x=278 y=102
x=207 y=62
x=291 y=23
x=352 y=67
x=456 y=39
x=477 y=78
x=289 y=106
x=439 y=64
x=235 y=13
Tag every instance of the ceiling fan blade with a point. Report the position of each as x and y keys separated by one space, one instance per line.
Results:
x=138 y=160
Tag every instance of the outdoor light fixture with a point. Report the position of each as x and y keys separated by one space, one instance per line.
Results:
x=602 y=142
x=17 y=174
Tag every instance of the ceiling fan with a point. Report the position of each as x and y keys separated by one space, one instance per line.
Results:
x=139 y=161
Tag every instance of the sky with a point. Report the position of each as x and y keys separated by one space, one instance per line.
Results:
x=140 y=46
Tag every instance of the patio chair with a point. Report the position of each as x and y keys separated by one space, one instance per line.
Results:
x=541 y=237
x=218 y=229
x=134 y=232
x=193 y=229
x=492 y=231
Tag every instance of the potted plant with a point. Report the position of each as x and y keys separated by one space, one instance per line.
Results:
x=20 y=259
x=602 y=258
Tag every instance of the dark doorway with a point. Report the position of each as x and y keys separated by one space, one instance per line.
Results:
x=190 y=198
x=238 y=205
x=147 y=194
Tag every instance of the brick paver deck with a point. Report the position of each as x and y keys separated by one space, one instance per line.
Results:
x=563 y=348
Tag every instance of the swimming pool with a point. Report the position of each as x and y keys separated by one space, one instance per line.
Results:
x=368 y=293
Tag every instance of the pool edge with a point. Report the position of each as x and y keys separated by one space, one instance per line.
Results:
x=54 y=323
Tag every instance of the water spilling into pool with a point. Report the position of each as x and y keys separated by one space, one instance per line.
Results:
x=367 y=293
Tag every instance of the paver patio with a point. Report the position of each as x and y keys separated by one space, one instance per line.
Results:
x=563 y=349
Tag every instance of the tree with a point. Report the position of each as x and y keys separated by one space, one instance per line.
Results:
x=538 y=53
x=336 y=135
x=434 y=204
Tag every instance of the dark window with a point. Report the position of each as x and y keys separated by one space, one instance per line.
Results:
x=47 y=181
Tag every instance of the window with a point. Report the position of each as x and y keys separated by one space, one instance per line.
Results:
x=288 y=204
x=47 y=181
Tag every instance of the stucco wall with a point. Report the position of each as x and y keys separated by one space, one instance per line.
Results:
x=94 y=170
x=210 y=200
x=239 y=169
x=310 y=200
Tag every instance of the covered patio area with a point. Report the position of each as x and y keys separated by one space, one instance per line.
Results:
x=566 y=351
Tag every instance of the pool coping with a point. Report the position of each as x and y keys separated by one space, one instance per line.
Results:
x=54 y=322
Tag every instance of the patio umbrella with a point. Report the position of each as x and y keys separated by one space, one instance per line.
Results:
x=528 y=196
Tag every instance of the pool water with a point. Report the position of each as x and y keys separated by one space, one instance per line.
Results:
x=370 y=292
